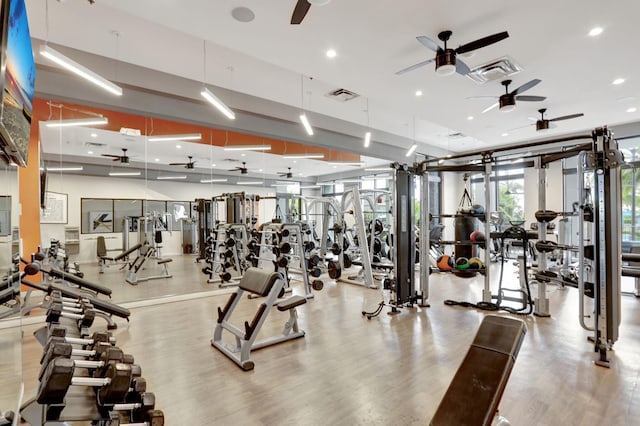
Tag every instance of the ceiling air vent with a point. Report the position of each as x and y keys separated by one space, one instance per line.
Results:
x=456 y=135
x=94 y=144
x=498 y=69
x=342 y=95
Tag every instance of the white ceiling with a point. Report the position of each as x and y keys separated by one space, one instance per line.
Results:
x=268 y=57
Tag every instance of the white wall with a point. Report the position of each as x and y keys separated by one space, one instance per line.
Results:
x=78 y=187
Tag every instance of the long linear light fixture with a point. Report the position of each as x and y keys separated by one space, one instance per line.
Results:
x=212 y=180
x=252 y=182
x=346 y=163
x=310 y=186
x=367 y=139
x=79 y=70
x=247 y=148
x=185 y=137
x=65 y=169
x=216 y=102
x=411 y=150
x=124 y=173
x=91 y=121
x=377 y=169
x=305 y=122
x=300 y=156
x=171 y=177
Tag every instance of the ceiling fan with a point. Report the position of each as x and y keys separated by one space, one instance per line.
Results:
x=507 y=102
x=302 y=7
x=445 y=59
x=243 y=170
x=287 y=174
x=546 y=123
x=124 y=159
x=188 y=165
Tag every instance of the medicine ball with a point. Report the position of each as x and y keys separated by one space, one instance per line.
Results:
x=477 y=209
x=478 y=237
x=445 y=262
x=475 y=263
x=462 y=263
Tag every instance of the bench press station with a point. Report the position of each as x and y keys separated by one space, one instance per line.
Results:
x=474 y=393
x=134 y=267
x=105 y=261
x=265 y=284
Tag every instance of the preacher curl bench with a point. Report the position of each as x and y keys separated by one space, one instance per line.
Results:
x=265 y=284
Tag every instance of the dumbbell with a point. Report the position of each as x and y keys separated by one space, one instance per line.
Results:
x=317 y=285
x=336 y=249
x=309 y=245
x=56 y=311
x=149 y=418
x=334 y=269
x=312 y=261
x=98 y=359
x=548 y=246
x=315 y=271
x=59 y=375
x=225 y=276
x=230 y=242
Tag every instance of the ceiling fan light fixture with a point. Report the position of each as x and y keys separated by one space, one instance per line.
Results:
x=507 y=103
x=446 y=62
x=542 y=125
x=445 y=70
x=319 y=2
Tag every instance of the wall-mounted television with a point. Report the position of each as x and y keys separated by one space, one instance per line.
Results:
x=17 y=77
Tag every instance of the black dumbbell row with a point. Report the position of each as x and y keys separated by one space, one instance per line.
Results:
x=93 y=361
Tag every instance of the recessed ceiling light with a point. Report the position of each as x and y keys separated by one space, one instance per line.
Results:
x=618 y=81
x=243 y=155
x=331 y=53
x=213 y=165
x=596 y=31
x=505 y=134
x=470 y=117
x=156 y=160
x=418 y=92
x=89 y=152
x=243 y=14
x=259 y=170
x=632 y=109
x=178 y=146
x=94 y=135
x=294 y=161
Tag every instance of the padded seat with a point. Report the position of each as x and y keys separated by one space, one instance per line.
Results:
x=163 y=261
x=258 y=281
x=291 y=303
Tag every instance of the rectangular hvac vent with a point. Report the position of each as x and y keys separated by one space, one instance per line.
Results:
x=342 y=95
x=94 y=144
x=498 y=69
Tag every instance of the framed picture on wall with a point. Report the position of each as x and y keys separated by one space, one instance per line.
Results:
x=55 y=208
x=100 y=222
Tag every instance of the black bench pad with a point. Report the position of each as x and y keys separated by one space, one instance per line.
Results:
x=291 y=303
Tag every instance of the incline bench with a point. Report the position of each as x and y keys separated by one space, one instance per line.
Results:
x=476 y=389
x=262 y=283
x=106 y=261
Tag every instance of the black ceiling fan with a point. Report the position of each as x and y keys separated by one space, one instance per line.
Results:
x=546 y=123
x=188 y=165
x=287 y=174
x=302 y=7
x=507 y=102
x=445 y=59
x=124 y=159
x=243 y=170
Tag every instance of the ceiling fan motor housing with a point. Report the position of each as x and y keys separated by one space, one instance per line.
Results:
x=445 y=57
x=542 y=125
x=507 y=101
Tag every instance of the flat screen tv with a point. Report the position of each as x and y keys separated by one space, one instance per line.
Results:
x=17 y=77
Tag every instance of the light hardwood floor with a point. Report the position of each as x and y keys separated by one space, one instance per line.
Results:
x=391 y=370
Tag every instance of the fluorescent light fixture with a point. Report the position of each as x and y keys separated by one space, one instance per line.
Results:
x=212 y=180
x=251 y=182
x=595 y=31
x=411 y=150
x=92 y=121
x=348 y=181
x=79 y=70
x=284 y=185
x=185 y=137
x=171 y=177
x=374 y=177
x=325 y=183
x=216 y=102
x=65 y=169
x=124 y=173
x=298 y=156
x=305 y=122
x=346 y=163
x=247 y=148
x=377 y=169
x=310 y=186
x=367 y=139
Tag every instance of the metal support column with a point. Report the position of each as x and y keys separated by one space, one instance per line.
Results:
x=541 y=302
x=405 y=247
x=425 y=243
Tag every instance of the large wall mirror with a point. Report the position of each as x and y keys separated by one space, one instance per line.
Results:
x=135 y=180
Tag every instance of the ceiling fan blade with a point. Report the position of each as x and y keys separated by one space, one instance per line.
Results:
x=482 y=97
x=530 y=98
x=566 y=117
x=300 y=11
x=428 y=43
x=416 y=66
x=178 y=164
x=461 y=67
x=110 y=155
x=532 y=119
x=526 y=86
x=490 y=108
x=482 y=42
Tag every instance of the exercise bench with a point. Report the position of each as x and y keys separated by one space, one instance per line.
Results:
x=265 y=284
x=105 y=261
x=137 y=265
x=476 y=389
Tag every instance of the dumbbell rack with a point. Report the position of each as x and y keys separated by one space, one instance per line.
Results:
x=74 y=357
x=227 y=253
